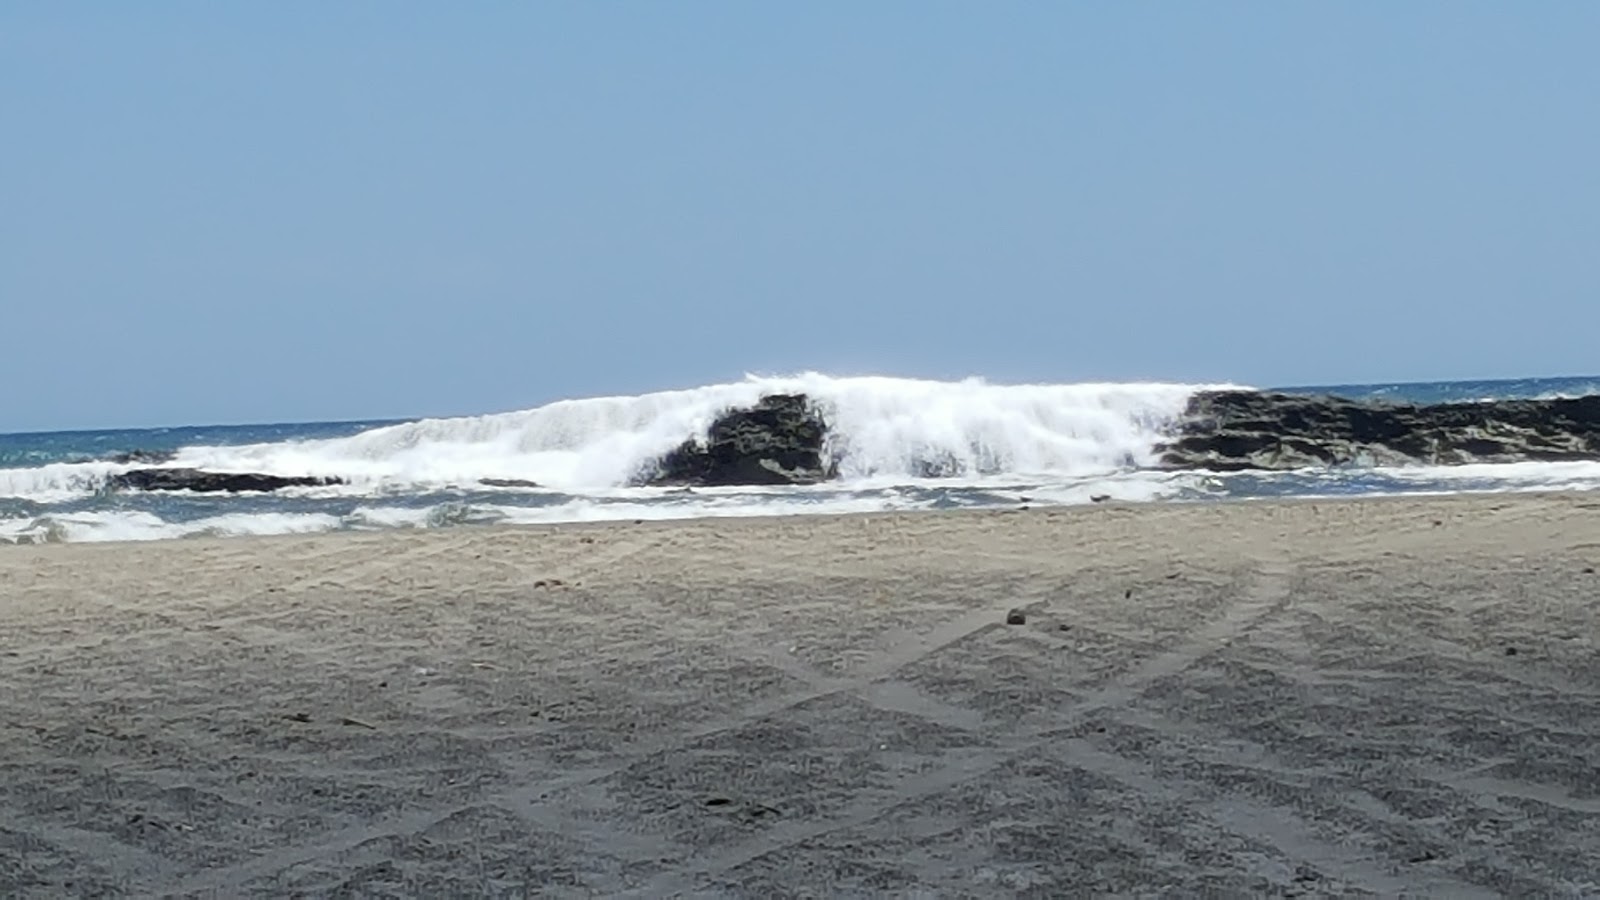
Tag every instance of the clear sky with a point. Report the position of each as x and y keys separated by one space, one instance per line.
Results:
x=305 y=210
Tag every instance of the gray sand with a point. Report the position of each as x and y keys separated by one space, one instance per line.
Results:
x=1376 y=697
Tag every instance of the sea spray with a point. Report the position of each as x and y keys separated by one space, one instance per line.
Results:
x=879 y=428
x=998 y=446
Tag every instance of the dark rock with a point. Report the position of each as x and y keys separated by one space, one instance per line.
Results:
x=1016 y=617
x=209 y=482
x=776 y=442
x=1237 y=430
x=508 y=482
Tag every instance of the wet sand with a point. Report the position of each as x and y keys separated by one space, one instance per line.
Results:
x=1369 y=697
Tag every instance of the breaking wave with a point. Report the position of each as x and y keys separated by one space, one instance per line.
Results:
x=881 y=430
x=992 y=446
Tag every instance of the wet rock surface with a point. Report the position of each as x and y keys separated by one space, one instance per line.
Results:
x=776 y=442
x=1237 y=430
x=210 y=482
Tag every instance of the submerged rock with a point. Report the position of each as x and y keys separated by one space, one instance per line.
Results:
x=210 y=482
x=1237 y=430
x=776 y=442
x=508 y=483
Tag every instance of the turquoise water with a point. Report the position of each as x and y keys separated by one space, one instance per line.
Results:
x=1010 y=445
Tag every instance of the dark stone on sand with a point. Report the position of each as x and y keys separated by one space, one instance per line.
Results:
x=1016 y=617
x=210 y=482
x=776 y=442
x=1239 y=430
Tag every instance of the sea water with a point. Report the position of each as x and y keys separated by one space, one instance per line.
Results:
x=1004 y=445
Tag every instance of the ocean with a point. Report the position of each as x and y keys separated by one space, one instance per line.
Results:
x=1011 y=445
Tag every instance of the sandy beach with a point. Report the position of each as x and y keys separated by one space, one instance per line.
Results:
x=1368 y=697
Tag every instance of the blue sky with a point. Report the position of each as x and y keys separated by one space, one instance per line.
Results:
x=296 y=211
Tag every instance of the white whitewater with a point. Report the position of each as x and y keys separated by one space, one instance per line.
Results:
x=56 y=482
x=881 y=429
x=994 y=445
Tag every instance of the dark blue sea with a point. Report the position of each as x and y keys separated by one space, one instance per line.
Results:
x=1009 y=444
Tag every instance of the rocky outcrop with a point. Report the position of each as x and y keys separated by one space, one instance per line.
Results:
x=209 y=482
x=776 y=442
x=1236 y=430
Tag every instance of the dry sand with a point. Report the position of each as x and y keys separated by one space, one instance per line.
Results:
x=1375 y=697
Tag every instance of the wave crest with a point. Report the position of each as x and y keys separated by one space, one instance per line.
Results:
x=879 y=427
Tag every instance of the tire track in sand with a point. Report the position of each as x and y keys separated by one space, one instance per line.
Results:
x=1268 y=593
x=542 y=807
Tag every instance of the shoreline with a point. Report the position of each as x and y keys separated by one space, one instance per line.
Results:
x=1031 y=508
x=1267 y=697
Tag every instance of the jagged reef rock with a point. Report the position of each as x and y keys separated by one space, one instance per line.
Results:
x=776 y=442
x=1235 y=430
x=209 y=482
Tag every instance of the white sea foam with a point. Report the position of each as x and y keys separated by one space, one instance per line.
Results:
x=656 y=505
x=56 y=482
x=390 y=517
x=126 y=525
x=1527 y=475
x=998 y=445
x=889 y=428
x=26 y=530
